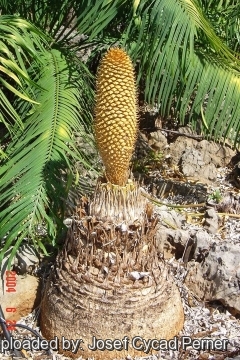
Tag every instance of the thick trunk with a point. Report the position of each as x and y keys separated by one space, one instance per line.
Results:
x=108 y=283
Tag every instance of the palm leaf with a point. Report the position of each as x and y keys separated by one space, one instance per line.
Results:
x=61 y=19
x=18 y=45
x=225 y=17
x=31 y=186
x=179 y=56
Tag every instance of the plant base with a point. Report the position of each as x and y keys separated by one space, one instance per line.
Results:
x=108 y=283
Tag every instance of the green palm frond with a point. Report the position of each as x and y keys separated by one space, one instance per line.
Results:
x=90 y=18
x=66 y=19
x=31 y=186
x=19 y=41
x=225 y=17
x=180 y=58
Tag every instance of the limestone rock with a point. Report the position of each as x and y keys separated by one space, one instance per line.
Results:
x=24 y=299
x=157 y=140
x=219 y=155
x=171 y=242
x=217 y=276
x=202 y=241
x=199 y=159
x=211 y=221
x=170 y=218
x=196 y=164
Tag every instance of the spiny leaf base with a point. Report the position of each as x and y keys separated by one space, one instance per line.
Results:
x=118 y=203
x=108 y=283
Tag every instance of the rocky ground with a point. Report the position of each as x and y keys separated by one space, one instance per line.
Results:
x=194 y=185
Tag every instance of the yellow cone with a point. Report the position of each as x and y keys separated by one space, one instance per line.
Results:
x=115 y=124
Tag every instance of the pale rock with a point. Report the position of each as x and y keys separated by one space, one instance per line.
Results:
x=24 y=299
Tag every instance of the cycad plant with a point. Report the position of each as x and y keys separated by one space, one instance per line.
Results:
x=108 y=282
x=186 y=58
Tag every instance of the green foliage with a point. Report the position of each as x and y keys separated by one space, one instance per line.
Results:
x=152 y=161
x=19 y=43
x=225 y=17
x=92 y=18
x=186 y=57
x=32 y=187
x=183 y=62
x=216 y=196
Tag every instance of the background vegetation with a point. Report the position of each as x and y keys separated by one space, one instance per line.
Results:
x=186 y=53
